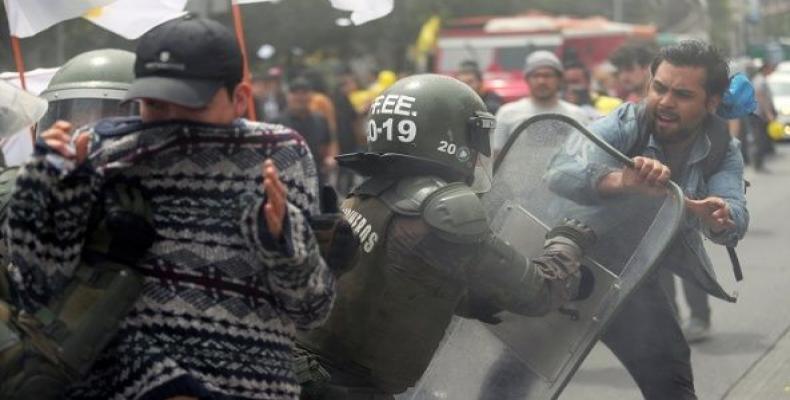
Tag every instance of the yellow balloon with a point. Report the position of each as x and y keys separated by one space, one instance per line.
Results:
x=384 y=80
x=606 y=104
x=775 y=130
x=361 y=99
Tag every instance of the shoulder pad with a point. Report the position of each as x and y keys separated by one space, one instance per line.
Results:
x=455 y=212
x=407 y=196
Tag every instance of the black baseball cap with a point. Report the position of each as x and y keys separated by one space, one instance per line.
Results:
x=185 y=61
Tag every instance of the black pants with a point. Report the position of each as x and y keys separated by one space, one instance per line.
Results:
x=696 y=297
x=646 y=337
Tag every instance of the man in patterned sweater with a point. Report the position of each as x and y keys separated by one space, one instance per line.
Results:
x=233 y=268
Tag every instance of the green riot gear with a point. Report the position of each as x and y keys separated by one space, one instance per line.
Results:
x=425 y=125
x=42 y=352
x=456 y=214
x=89 y=87
x=425 y=253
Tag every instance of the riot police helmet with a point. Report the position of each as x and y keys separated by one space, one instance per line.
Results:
x=427 y=124
x=89 y=87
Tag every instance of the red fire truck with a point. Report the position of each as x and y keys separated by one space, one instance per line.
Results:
x=500 y=44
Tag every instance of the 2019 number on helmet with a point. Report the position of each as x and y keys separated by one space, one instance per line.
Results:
x=425 y=123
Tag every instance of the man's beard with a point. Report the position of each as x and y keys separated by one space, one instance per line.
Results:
x=679 y=135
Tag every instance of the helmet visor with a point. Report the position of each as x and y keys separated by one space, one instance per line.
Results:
x=481 y=125
x=83 y=111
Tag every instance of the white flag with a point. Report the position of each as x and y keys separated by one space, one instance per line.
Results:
x=256 y=1
x=36 y=80
x=132 y=18
x=18 y=147
x=19 y=108
x=364 y=10
x=29 y=17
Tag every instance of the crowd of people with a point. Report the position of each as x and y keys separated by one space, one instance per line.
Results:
x=235 y=296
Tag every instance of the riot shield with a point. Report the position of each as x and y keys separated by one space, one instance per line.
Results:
x=18 y=109
x=546 y=172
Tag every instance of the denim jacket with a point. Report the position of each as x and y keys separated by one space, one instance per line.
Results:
x=686 y=255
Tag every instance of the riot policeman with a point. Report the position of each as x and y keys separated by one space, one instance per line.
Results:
x=41 y=353
x=426 y=250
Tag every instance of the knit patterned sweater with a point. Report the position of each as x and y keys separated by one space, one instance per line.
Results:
x=221 y=298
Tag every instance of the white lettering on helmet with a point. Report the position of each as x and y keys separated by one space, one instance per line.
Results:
x=403 y=107
x=389 y=103
x=393 y=104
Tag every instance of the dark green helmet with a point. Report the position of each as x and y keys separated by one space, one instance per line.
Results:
x=425 y=124
x=89 y=87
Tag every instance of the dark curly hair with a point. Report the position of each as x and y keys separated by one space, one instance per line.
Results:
x=696 y=53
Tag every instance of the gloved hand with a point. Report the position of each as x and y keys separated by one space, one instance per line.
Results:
x=579 y=234
x=130 y=224
x=125 y=231
x=564 y=248
x=336 y=240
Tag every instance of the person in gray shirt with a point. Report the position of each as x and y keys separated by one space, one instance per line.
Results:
x=543 y=73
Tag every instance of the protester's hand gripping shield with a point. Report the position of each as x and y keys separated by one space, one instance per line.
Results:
x=548 y=171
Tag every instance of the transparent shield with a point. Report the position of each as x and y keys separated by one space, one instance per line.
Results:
x=547 y=172
x=484 y=170
x=18 y=109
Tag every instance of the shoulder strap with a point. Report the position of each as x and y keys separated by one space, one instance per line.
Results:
x=643 y=136
x=719 y=136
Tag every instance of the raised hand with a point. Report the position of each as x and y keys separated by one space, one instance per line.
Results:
x=275 y=207
x=58 y=138
x=648 y=176
x=713 y=211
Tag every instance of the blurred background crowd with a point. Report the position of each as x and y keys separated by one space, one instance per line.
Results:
x=316 y=71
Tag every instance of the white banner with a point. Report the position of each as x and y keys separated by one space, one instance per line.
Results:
x=132 y=18
x=364 y=10
x=240 y=2
x=18 y=147
x=29 y=17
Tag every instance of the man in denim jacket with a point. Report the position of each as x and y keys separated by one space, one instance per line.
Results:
x=687 y=84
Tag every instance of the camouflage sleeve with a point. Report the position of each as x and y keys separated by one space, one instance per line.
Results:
x=502 y=278
x=46 y=224
x=497 y=276
x=300 y=280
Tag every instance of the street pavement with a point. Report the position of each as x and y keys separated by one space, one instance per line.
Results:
x=748 y=354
